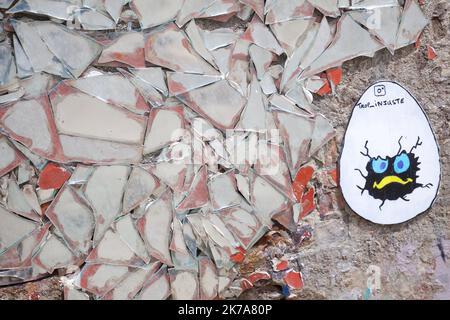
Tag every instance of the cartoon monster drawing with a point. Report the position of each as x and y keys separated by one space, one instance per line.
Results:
x=392 y=178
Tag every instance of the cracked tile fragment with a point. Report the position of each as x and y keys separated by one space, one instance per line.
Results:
x=154 y=227
x=10 y=158
x=104 y=191
x=13 y=229
x=155 y=12
x=280 y=11
x=153 y=154
x=218 y=102
x=157 y=287
x=412 y=23
x=139 y=187
x=184 y=285
x=126 y=48
x=70 y=214
x=351 y=40
x=99 y=279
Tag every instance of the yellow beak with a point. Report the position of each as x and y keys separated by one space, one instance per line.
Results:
x=390 y=179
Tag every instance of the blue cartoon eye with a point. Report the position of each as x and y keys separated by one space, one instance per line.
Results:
x=379 y=165
x=401 y=163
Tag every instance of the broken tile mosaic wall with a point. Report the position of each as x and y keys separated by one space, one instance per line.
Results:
x=143 y=155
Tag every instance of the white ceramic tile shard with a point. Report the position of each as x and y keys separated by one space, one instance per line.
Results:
x=256 y=5
x=198 y=43
x=254 y=116
x=94 y=20
x=56 y=9
x=244 y=225
x=94 y=151
x=321 y=42
x=164 y=127
x=10 y=158
x=30 y=122
x=222 y=190
x=157 y=287
x=289 y=33
x=271 y=164
x=209 y=280
x=260 y=35
x=24 y=68
x=296 y=132
x=180 y=83
x=80 y=114
x=39 y=55
x=54 y=254
x=99 y=279
x=367 y=4
x=178 y=244
x=239 y=67
x=133 y=283
x=221 y=10
x=219 y=38
x=280 y=11
x=104 y=191
x=20 y=255
x=184 y=285
x=197 y=196
x=218 y=233
x=18 y=202
x=13 y=229
x=66 y=44
x=291 y=68
x=322 y=133
x=266 y=200
x=218 y=102
x=126 y=228
x=111 y=249
x=192 y=9
x=382 y=22
x=351 y=40
x=171 y=172
x=114 y=89
x=154 y=76
x=262 y=59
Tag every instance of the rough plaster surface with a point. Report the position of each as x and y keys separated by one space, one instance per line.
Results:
x=346 y=252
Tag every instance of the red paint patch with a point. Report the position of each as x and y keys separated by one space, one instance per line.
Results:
x=308 y=202
x=293 y=279
x=301 y=180
x=53 y=177
x=335 y=75
x=431 y=53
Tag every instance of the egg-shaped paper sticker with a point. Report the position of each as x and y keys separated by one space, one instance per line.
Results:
x=389 y=166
